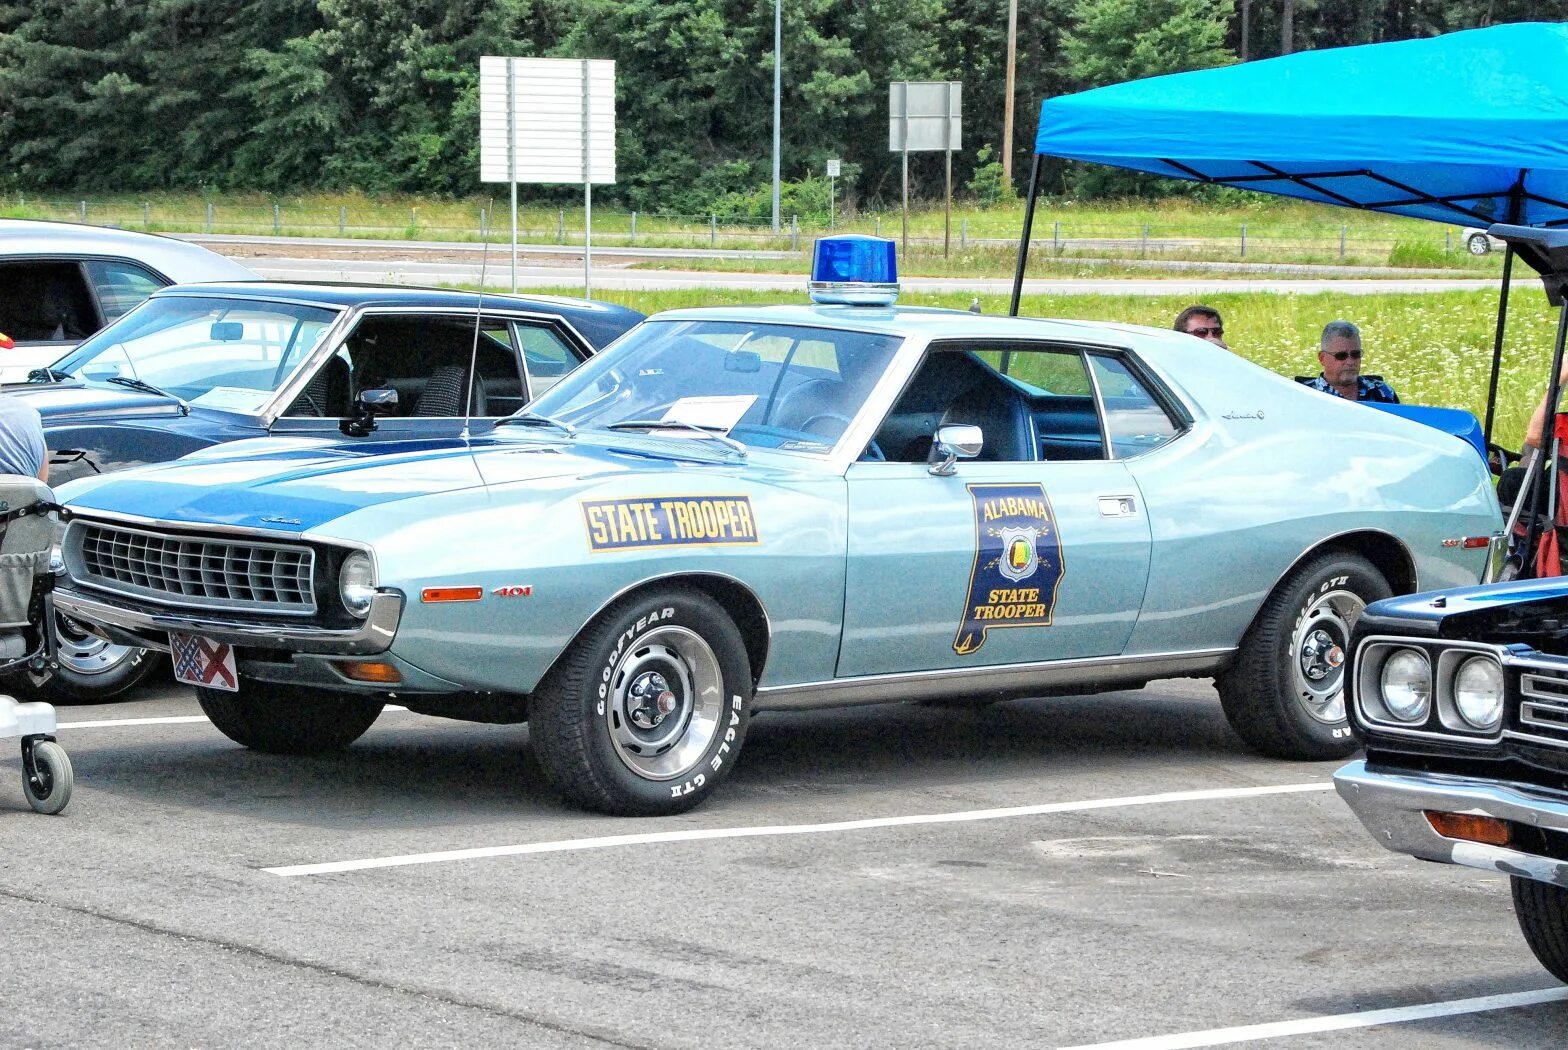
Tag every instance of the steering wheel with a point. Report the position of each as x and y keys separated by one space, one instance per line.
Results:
x=806 y=423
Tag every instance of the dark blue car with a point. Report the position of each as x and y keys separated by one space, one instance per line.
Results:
x=201 y=364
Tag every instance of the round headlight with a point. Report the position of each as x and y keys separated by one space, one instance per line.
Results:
x=357 y=583
x=1478 y=692
x=1407 y=685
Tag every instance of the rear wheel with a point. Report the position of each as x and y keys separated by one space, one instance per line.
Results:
x=288 y=720
x=1478 y=244
x=1285 y=693
x=90 y=669
x=647 y=710
x=1542 y=911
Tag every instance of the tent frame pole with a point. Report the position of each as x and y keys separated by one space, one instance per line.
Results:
x=1497 y=344
x=1023 y=240
x=1516 y=199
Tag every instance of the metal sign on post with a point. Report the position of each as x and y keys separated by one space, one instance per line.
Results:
x=925 y=115
x=833 y=170
x=548 y=121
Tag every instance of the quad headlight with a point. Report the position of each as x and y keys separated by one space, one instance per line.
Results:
x=1406 y=685
x=357 y=583
x=1478 y=693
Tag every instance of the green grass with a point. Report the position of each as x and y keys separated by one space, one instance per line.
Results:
x=1434 y=348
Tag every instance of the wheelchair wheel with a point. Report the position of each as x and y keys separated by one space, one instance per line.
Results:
x=49 y=788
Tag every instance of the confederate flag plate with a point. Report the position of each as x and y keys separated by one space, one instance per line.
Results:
x=200 y=661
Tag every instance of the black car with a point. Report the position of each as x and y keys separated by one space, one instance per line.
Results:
x=1461 y=699
x=200 y=364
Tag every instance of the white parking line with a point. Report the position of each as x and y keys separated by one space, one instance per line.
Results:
x=111 y=723
x=170 y=720
x=1334 y=1023
x=696 y=835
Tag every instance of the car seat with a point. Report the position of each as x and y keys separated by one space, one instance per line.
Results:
x=443 y=394
x=1003 y=418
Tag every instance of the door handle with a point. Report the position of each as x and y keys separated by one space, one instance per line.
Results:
x=1117 y=506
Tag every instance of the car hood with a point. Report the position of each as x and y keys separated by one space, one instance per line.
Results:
x=294 y=485
x=68 y=402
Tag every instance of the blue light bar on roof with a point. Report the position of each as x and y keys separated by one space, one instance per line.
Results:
x=855 y=270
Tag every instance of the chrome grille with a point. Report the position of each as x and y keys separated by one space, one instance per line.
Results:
x=220 y=572
x=1543 y=705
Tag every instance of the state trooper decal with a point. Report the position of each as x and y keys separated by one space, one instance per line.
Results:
x=1018 y=563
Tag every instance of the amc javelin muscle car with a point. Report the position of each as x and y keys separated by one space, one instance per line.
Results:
x=735 y=510
x=203 y=364
x=1462 y=699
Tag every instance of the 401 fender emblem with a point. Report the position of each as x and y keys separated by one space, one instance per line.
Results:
x=514 y=590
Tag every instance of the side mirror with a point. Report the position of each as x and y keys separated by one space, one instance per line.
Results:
x=952 y=443
x=367 y=406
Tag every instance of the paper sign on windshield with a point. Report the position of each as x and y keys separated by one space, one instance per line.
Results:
x=719 y=413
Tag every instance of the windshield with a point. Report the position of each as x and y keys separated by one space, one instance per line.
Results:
x=787 y=387
x=222 y=353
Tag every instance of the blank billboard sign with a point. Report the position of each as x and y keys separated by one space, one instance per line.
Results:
x=552 y=104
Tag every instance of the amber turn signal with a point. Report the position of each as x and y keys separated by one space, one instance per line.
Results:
x=380 y=673
x=1469 y=828
x=451 y=594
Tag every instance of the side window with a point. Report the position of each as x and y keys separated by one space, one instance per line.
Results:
x=1134 y=420
x=1030 y=403
x=45 y=302
x=120 y=286
x=426 y=360
x=547 y=357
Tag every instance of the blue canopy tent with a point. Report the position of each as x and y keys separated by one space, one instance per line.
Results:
x=1468 y=128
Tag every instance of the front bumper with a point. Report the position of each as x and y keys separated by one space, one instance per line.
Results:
x=1393 y=808
x=149 y=627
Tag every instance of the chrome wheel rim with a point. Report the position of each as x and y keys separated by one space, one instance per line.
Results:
x=666 y=700
x=85 y=653
x=1318 y=648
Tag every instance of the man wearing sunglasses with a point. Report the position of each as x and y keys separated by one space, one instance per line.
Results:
x=1339 y=355
x=1203 y=322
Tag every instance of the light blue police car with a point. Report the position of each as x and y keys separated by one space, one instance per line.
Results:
x=743 y=509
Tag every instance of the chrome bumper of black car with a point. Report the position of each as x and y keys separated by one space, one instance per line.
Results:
x=149 y=628
x=1393 y=806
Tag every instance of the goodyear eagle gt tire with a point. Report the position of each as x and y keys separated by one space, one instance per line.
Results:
x=90 y=670
x=1284 y=694
x=646 y=712
x=289 y=720
x=1542 y=910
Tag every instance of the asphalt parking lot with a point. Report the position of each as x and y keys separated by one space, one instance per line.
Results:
x=1078 y=872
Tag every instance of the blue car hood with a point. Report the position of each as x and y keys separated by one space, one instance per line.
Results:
x=295 y=485
x=68 y=402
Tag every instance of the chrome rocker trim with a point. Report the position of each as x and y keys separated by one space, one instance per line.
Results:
x=1097 y=673
x=1391 y=806
x=147 y=627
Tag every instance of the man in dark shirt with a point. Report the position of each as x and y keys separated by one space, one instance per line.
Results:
x=1339 y=355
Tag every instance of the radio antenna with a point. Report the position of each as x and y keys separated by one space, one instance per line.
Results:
x=473 y=354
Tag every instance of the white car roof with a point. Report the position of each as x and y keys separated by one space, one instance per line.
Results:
x=178 y=260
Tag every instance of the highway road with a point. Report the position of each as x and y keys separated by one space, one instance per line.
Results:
x=560 y=269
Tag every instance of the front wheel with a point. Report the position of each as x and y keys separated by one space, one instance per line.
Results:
x=90 y=669
x=288 y=720
x=646 y=712
x=48 y=785
x=1285 y=693
x=1542 y=911
x=1478 y=244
